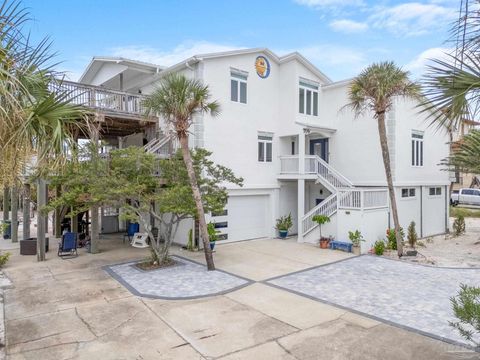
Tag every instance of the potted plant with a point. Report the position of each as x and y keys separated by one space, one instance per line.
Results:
x=212 y=234
x=284 y=223
x=356 y=238
x=320 y=220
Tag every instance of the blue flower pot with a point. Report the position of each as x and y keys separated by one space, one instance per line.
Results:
x=212 y=245
x=283 y=233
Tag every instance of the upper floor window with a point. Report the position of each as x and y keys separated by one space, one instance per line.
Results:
x=408 y=192
x=308 y=97
x=238 y=86
x=265 y=147
x=417 y=148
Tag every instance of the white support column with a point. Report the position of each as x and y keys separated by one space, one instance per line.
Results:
x=301 y=152
x=301 y=207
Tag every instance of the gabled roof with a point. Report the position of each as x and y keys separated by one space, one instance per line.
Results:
x=98 y=61
x=278 y=59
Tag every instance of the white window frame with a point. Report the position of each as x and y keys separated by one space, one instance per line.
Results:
x=417 y=149
x=409 y=193
x=240 y=77
x=263 y=141
x=308 y=86
x=437 y=191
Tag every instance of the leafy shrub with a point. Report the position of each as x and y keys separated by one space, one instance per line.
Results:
x=190 y=240
x=466 y=307
x=379 y=247
x=459 y=225
x=355 y=237
x=212 y=232
x=412 y=236
x=4 y=258
x=392 y=239
x=284 y=222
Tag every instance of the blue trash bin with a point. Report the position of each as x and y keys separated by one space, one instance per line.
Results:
x=7 y=230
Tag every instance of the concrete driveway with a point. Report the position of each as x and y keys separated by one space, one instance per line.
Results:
x=72 y=309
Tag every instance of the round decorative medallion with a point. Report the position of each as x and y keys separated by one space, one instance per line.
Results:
x=262 y=66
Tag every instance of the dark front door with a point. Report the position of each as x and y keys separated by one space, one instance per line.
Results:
x=319 y=147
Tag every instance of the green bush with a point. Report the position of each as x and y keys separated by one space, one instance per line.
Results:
x=466 y=307
x=459 y=225
x=379 y=247
x=412 y=236
x=4 y=258
x=212 y=232
x=284 y=223
x=392 y=239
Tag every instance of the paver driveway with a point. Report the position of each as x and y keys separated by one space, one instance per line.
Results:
x=409 y=295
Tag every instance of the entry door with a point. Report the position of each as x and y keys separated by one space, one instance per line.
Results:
x=319 y=147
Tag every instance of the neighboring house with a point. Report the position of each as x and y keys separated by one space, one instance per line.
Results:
x=284 y=129
x=463 y=180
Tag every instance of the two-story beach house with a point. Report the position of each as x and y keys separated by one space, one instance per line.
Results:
x=284 y=129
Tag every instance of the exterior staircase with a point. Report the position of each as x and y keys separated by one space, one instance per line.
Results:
x=335 y=182
x=162 y=147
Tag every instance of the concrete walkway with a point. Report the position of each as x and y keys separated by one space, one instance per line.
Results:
x=73 y=309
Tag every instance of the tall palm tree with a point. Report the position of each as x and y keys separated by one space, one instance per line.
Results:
x=374 y=90
x=35 y=118
x=178 y=99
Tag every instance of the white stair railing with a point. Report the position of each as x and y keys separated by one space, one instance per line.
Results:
x=163 y=147
x=327 y=207
x=326 y=172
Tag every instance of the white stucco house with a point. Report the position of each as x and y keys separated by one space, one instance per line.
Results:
x=284 y=129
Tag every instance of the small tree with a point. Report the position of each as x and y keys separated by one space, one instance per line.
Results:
x=412 y=236
x=321 y=220
x=466 y=307
x=459 y=225
x=355 y=237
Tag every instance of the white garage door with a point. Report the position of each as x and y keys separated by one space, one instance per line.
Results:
x=247 y=217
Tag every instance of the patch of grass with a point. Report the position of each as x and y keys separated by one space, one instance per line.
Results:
x=456 y=211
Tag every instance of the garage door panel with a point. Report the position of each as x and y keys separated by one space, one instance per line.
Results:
x=247 y=217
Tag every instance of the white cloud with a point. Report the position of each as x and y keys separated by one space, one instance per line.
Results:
x=329 y=3
x=411 y=18
x=169 y=57
x=418 y=65
x=348 y=26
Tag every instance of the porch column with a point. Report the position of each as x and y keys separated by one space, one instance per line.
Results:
x=26 y=211
x=94 y=236
x=14 y=227
x=41 y=202
x=301 y=207
x=301 y=152
x=58 y=214
x=6 y=204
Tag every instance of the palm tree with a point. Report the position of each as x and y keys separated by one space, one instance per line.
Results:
x=374 y=90
x=35 y=118
x=178 y=100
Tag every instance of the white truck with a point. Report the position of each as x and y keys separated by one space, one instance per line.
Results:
x=465 y=196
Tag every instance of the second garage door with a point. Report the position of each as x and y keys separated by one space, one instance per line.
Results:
x=248 y=217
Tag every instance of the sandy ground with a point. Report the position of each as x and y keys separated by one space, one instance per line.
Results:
x=450 y=251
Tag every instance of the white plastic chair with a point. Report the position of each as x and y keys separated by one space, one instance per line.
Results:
x=139 y=240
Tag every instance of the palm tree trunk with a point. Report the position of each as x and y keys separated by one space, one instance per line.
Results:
x=382 y=132
x=198 y=201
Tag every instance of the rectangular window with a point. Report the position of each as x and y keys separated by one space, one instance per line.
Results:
x=301 y=101
x=224 y=212
x=408 y=192
x=308 y=97
x=435 y=191
x=265 y=147
x=222 y=236
x=293 y=148
x=221 y=225
x=238 y=86
x=417 y=148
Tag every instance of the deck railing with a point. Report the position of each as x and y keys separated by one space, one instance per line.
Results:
x=99 y=98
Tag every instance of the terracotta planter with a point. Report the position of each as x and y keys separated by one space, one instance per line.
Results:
x=324 y=243
x=356 y=250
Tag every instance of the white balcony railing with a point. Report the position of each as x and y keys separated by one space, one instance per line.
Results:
x=99 y=98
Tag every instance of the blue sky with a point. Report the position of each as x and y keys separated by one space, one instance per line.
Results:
x=339 y=36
